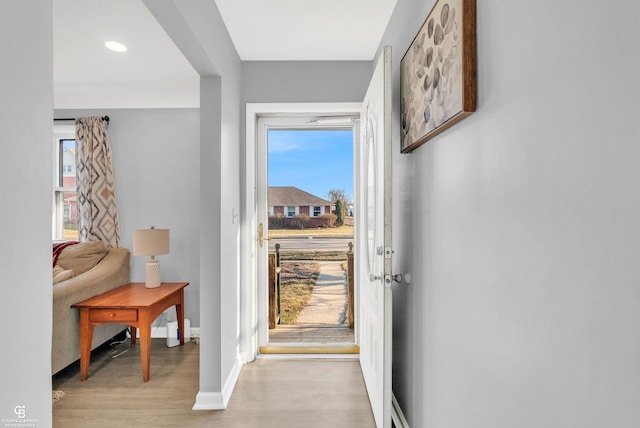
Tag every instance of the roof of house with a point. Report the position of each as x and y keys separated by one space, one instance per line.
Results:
x=292 y=196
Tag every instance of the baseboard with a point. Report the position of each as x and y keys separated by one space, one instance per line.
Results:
x=209 y=401
x=161 y=332
x=397 y=415
x=247 y=357
x=219 y=400
x=231 y=381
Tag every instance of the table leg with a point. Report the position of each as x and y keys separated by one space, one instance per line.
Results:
x=145 y=343
x=180 y=315
x=133 y=335
x=86 y=336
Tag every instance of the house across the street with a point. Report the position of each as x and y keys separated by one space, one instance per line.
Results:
x=291 y=201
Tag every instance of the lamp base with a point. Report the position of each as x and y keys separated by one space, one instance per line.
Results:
x=152 y=278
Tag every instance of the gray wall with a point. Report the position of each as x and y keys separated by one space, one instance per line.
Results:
x=304 y=81
x=156 y=157
x=26 y=106
x=524 y=305
x=198 y=31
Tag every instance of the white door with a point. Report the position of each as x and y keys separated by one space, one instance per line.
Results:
x=374 y=229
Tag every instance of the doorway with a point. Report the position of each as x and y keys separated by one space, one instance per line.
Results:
x=281 y=138
x=373 y=300
x=309 y=178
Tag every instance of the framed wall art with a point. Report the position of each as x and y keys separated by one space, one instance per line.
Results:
x=438 y=73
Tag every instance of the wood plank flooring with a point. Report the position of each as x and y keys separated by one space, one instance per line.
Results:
x=311 y=333
x=289 y=393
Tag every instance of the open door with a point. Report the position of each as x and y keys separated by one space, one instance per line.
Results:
x=374 y=246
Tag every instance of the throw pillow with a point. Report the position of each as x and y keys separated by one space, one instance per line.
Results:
x=60 y=274
x=82 y=257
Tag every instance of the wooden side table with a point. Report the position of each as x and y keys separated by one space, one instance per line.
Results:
x=132 y=304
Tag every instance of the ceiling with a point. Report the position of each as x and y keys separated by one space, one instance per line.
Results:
x=295 y=30
x=154 y=74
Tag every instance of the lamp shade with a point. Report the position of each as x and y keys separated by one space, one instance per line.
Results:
x=150 y=242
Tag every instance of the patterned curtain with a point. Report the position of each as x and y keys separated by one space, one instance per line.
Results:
x=96 y=190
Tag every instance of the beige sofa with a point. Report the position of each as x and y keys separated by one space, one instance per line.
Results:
x=95 y=269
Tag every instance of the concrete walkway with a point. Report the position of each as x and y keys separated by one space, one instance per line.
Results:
x=328 y=303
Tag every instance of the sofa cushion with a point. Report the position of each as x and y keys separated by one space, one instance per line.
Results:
x=60 y=274
x=82 y=257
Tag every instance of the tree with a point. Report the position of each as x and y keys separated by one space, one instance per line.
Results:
x=337 y=195
x=340 y=212
x=339 y=199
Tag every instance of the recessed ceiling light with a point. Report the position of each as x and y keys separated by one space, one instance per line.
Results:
x=115 y=46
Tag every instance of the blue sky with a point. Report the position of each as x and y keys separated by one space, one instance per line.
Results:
x=315 y=161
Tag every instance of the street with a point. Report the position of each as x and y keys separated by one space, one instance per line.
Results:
x=311 y=244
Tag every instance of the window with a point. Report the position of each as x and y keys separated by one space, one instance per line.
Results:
x=291 y=211
x=65 y=204
x=316 y=211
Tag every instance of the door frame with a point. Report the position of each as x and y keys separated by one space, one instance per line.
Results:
x=249 y=290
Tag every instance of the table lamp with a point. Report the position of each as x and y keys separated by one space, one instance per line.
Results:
x=151 y=242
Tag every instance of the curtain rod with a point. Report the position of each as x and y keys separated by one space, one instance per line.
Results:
x=105 y=118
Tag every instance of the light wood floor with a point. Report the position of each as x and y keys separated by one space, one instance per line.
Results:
x=269 y=393
x=311 y=333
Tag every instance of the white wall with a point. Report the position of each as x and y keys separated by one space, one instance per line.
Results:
x=156 y=157
x=524 y=305
x=26 y=107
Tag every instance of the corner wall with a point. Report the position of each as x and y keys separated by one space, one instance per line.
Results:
x=26 y=113
x=524 y=304
x=199 y=32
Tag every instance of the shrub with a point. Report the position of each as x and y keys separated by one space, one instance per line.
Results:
x=276 y=221
x=300 y=220
x=327 y=220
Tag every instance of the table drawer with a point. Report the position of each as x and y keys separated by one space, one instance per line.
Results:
x=102 y=315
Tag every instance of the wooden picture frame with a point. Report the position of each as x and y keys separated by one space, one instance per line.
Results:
x=438 y=73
